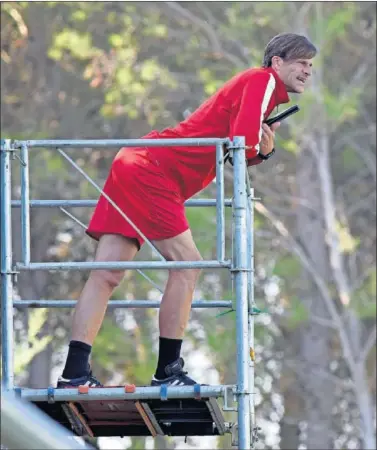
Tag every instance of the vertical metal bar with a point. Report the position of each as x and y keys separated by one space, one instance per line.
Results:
x=251 y=304
x=240 y=278
x=220 y=202
x=25 y=204
x=6 y=266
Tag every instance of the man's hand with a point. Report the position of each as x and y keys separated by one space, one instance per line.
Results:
x=266 y=144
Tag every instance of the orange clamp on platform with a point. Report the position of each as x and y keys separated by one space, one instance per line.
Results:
x=83 y=389
x=129 y=388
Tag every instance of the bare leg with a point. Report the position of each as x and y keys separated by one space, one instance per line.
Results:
x=176 y=301
x=92 y=304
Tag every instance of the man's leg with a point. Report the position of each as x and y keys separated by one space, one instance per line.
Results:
x=176 y=301
x=92 y=304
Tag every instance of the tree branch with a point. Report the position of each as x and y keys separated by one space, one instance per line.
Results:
x=360 y=132
x=336 y=258
x=209 y=31
x=214 y=22
x=299 y=366
x=357 y=178
x=266 y=190
x=368 y=158
x=369 y=344
x=355 y=207
x=297 y=249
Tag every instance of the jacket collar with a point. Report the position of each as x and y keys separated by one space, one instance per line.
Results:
x=281 y=94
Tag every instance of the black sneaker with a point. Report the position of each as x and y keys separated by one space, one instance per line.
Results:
x=175 y=375
x=86 y=380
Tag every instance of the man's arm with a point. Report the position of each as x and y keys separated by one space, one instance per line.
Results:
x=248 y=122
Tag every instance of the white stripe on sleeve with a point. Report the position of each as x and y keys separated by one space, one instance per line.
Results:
x=266 y=100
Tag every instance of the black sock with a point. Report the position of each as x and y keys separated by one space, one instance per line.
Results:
x=170 y=350
x=77 y=364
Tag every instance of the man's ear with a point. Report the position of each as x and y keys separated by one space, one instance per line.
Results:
x=276 y=62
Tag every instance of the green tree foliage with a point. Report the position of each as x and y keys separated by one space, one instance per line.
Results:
x=32 y=344
x=118 y=69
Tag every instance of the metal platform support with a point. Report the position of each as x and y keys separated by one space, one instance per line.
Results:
x=134 y=411
x=157 y=411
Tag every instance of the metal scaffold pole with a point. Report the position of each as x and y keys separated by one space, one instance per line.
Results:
x=240 y=265
x=251 y=306
x=6 y=266
x=240 y=270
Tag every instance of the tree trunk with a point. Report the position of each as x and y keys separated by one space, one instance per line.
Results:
x=40 y=369
x=363 y=394
x=367 y=411
x=314 y=342
x=289 y=425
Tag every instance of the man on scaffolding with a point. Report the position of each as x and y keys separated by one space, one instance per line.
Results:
x=150 y=185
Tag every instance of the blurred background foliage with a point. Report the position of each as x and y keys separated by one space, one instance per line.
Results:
x=119 y=69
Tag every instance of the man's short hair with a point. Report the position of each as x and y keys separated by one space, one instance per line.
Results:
x=288 y=46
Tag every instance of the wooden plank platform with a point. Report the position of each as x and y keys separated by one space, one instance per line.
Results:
x=173 y=417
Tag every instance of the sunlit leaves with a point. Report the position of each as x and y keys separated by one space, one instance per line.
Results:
x=290 y=146
x=116 y=40
x=149 y=70
x=79 y=45
x=124 y=77
x=79 y=15
x=335 y=25
x=157 y=30
x=347 y=243
x=34 y=344
x=210 y=84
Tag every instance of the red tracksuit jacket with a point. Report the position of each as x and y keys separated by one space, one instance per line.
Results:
x=237 y=109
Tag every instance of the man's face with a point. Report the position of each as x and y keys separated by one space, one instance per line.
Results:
x=294 y=73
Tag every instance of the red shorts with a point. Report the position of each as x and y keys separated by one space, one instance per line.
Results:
x=140 y=188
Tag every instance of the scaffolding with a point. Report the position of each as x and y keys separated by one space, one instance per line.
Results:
x=143 y=410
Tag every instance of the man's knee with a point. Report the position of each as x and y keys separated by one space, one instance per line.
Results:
x=181 y=248
x=190 y=276
x=197 y=257
x=109 y=278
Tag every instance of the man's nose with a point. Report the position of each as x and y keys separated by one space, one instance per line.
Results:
x=308 y=71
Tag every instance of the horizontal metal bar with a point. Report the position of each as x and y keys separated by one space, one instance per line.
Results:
x=200 y=202
x=189 y=142
x=126 y=265
x=199 y=304
x=118 y=393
